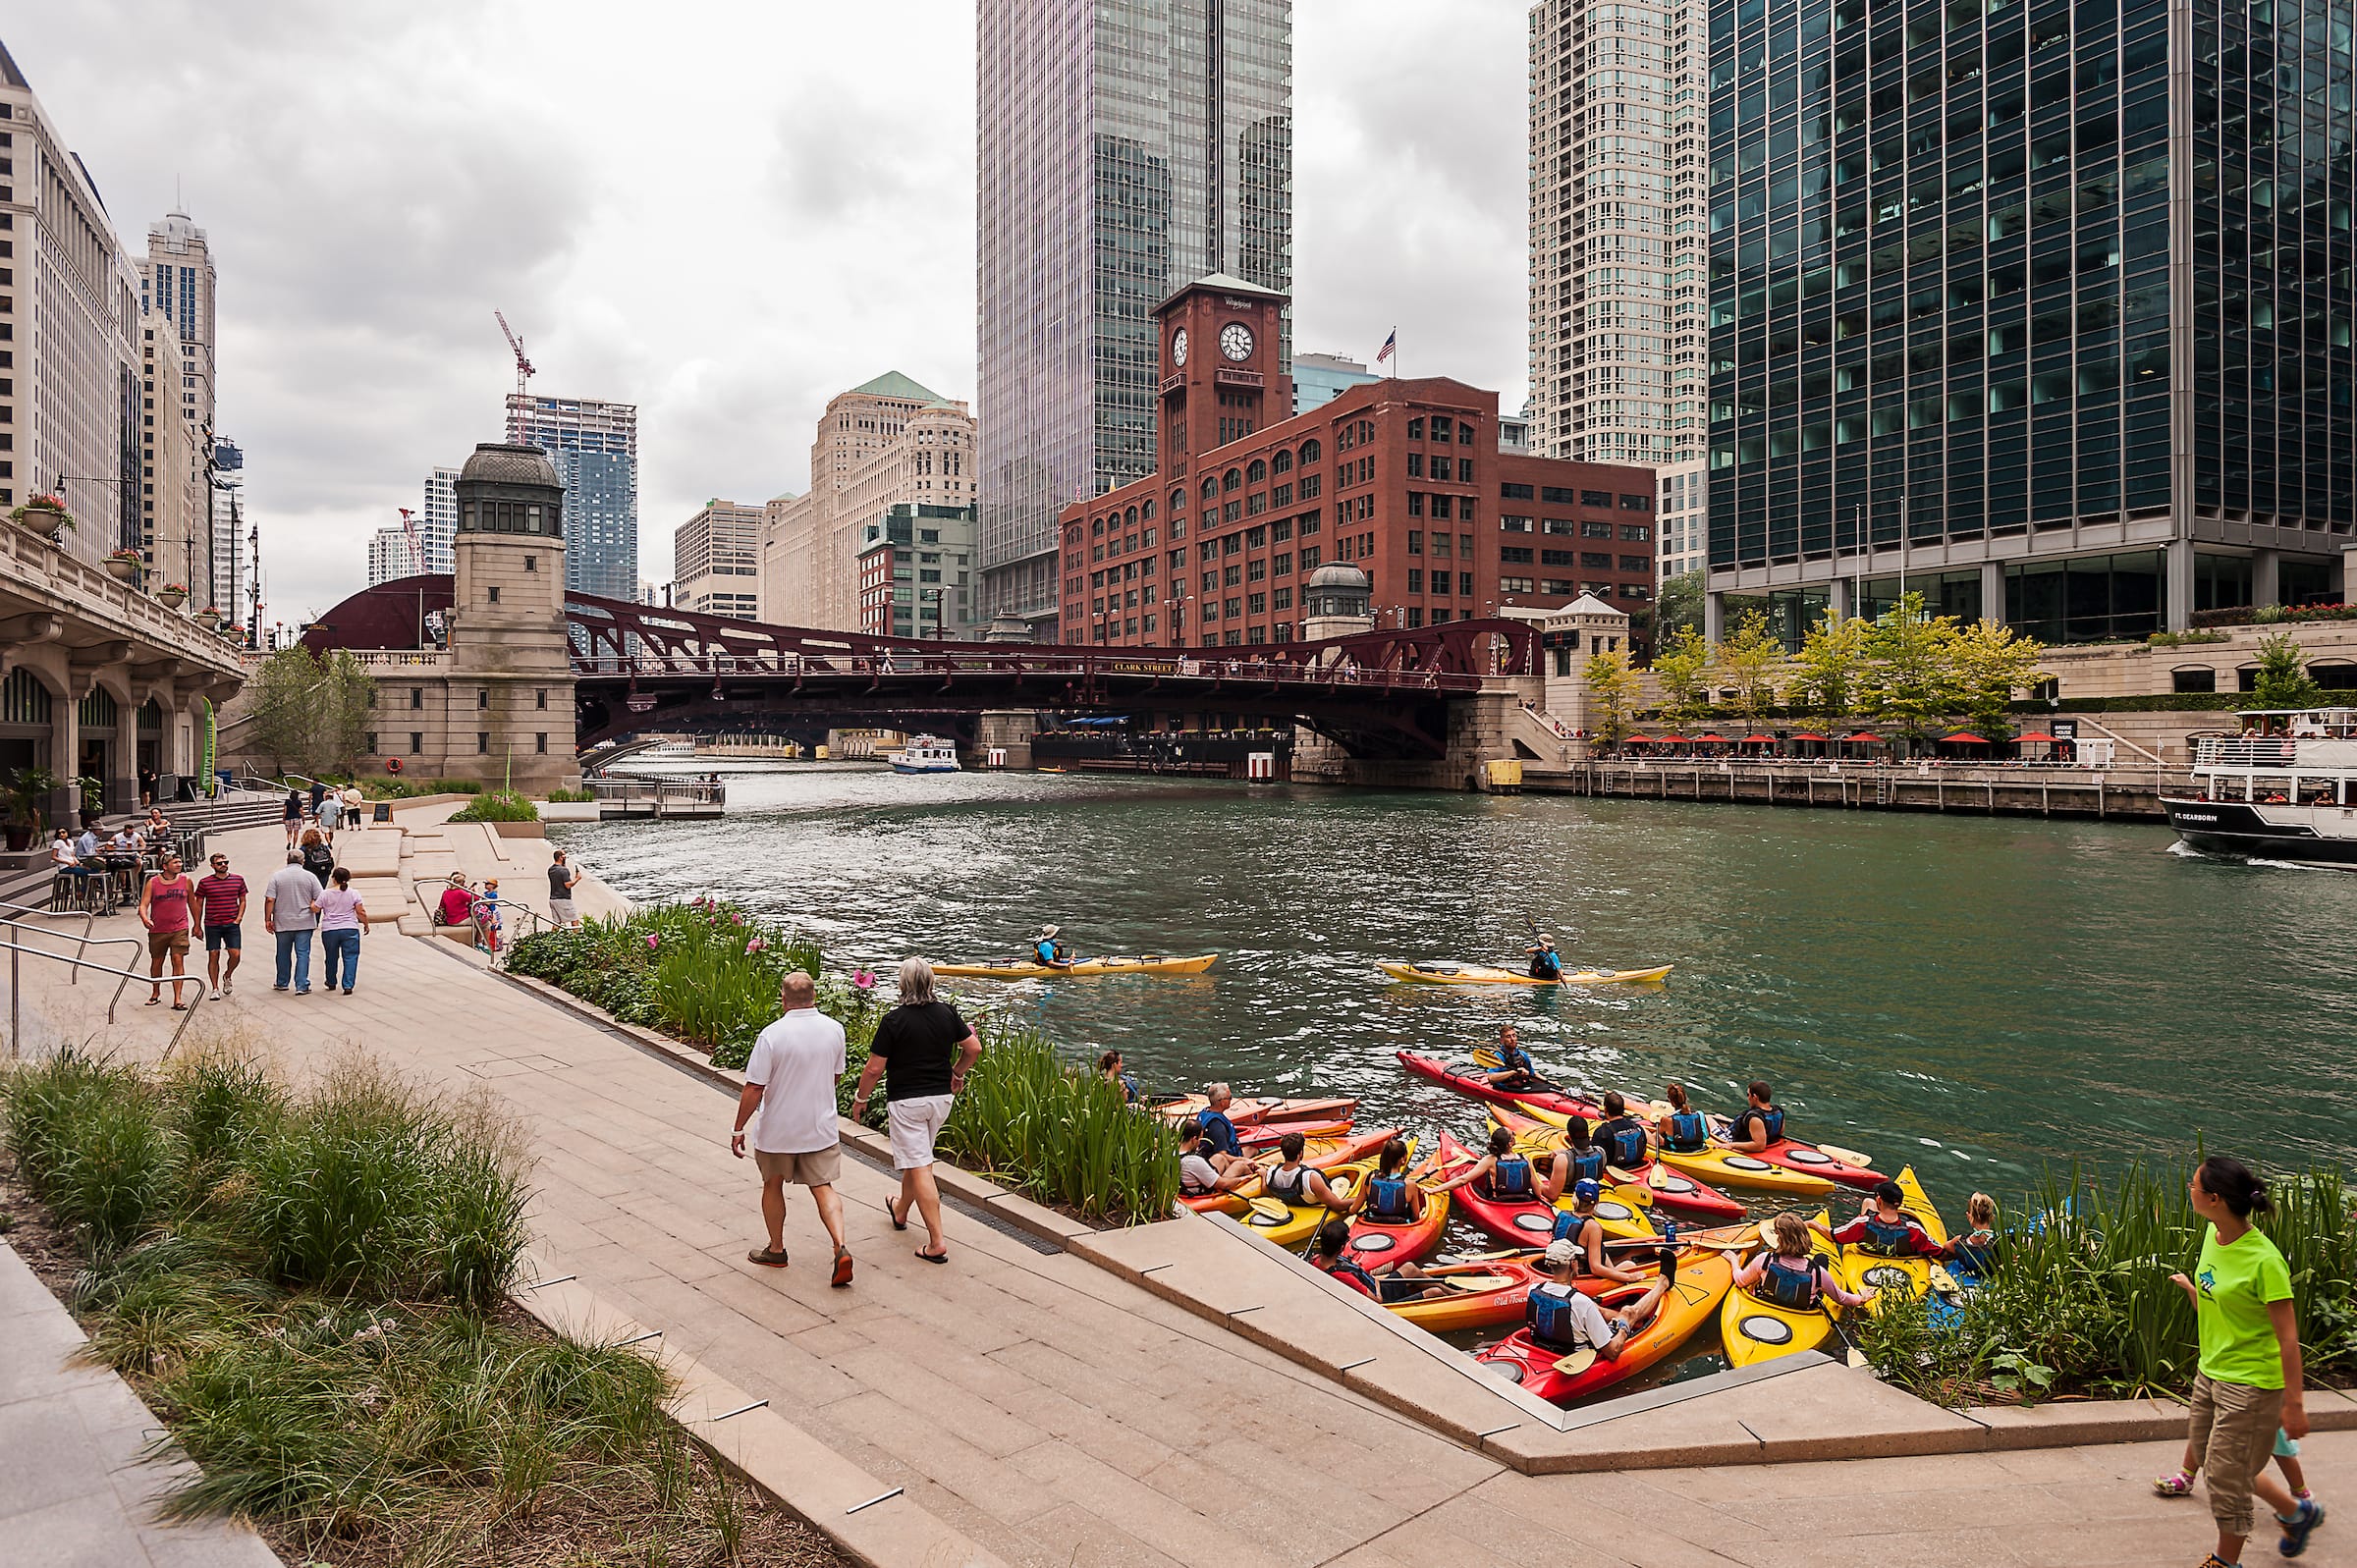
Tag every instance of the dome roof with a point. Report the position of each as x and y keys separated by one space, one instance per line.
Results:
x=1341 y=575
x=495 y=464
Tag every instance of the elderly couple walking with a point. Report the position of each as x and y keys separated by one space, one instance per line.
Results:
x=921 y=1051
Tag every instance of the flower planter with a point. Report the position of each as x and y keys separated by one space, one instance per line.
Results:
x=123 y=568
x=47 y=521
x=171 y=598
x=208 y=618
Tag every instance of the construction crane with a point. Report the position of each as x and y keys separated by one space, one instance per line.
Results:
x=524 y=366
x=409 y=526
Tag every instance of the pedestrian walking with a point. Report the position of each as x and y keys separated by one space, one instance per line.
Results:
x=318 y=793
x=561 y=881
x=923 y=1050
x=147 y=780
x=341 y=919
x=2249 y=1377
x=331 y=815
x=287 y=914
x=221 y=901
x=292 y=813
x=789 y=1100
x=167 y=909
x=318 y=858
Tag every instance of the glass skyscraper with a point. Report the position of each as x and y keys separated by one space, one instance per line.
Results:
x=2058 y=296
x=594 y=447
x=1126 y=148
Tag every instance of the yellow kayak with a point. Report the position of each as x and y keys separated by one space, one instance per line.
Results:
x=1756 y=1330
x=1300 y=1222
x=1141 y=965
x=1862 y=1270
x=1729 y=1167
x=1437 y=973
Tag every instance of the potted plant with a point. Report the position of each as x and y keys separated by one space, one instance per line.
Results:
x=210 y=616
x=44 y=515
x=172 y=595
x=122 y=564
x=93 y=797
x=25 y=800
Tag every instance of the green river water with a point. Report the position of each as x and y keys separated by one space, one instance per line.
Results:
x=1977 y=996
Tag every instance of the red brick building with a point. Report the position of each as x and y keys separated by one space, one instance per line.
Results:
x=1402 y=478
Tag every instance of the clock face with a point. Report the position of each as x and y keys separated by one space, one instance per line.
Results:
x=1178 y=346
x=1236 y=341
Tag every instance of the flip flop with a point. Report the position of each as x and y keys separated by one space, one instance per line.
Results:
x=155 y=1001
x=892 y=1214
x=842 y=1269
x=933 y=1256
x=180 y=1006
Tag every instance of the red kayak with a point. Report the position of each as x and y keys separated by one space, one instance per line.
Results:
x=1526 y=1222
x=1271 y=1134
x=1318 y=1152
x=1672 y=1188
x=1474 y=1084
x=1374 y=1241
x=1263 y=1111
x=1811 y=1160
x=1692 y=1301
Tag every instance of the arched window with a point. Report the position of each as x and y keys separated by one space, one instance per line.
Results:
x=1232 y=479
x=1210 y=487
x=1282 y=461
x=1129 y=519
x=1311 y=451
x=1097 y=527
x=1256 y=472
x=1148 y=510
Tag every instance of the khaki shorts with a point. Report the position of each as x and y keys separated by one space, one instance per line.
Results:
x=816 y=1167
x=2231 y=1425
x=164 y=944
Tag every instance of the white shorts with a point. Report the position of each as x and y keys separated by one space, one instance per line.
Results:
x=913 y=1126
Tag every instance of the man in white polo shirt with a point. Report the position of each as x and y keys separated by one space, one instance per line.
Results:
x=789 y=1098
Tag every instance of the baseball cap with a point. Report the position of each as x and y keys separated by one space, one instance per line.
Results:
x=1560 y=1251
x=1587 y=1189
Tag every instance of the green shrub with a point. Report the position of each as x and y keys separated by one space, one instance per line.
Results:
x=1033 y=1121
x=87 y=1138
x=572 y=797
x=497 y=805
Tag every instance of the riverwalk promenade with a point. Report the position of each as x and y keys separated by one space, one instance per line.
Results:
x=1036 y=1408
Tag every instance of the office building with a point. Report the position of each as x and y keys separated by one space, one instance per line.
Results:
x=1124 y=147
x=390 y=556
x=177 y=283
x=594 y=447
x=438 y=518
x=1618 y=97
x=881 y=444
x=233 y=564
x=917 y=573
x=176 y=529
x=716 y=561
x=1320 y=378
x=70 y=360
x=2006 y=301
x=1401 y=479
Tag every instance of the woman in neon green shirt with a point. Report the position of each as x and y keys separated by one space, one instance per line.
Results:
x=2250 y=1374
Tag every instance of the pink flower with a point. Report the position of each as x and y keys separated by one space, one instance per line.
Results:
x=653 y=941
x=735 y=920
x=754 y=947
x=863 y=979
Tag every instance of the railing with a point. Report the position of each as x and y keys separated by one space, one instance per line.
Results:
x=481 y=913
x=635 y=791
x=1075 y=664
x=15 y=987
x=2247 y=751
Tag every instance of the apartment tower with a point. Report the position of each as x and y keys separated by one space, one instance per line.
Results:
x=1126 y=147
x=1618 y=99
x=716 y=561
x=594 y=447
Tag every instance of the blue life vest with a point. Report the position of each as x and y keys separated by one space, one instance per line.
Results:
x=1774 y=1117
x=1129 y=1088
x=1510 y=1178
x=1888 y=1238
x=1796 y=1286
x=1625 y=1141
x=1587 y=1165
x=1688 y=1132
x=1348 y=1270
x=1045 y=950
x=1567 y=1226
x=1220 y=1132
x=1387 y=1200
x=1550 y=1321
x=1546 y=964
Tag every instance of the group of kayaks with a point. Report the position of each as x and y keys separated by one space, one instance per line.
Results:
x=1430 y=972
x=1678 y=1198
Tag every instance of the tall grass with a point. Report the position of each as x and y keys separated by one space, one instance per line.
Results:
x=1051 y=1129
x=88 y=1142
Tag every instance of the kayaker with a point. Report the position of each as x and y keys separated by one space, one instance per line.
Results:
x=1884 y=1228
x=1386 y=1282
x=1047 y=950
x=1515 y=1073
x=1295 y=1182
x=1682 y=1128
x=1976 y=1249
x=1544 y=962
x=1579 y=1226
x=1759 y=1125
x=1579 y=1159
x=1390 y=1197
x=1563 y=1318
x=1108 y=1068
x=1223 y=1149
x=1788 y=1274
x=1503 y=1175
x=1198 y=1177
x=1620 y=1135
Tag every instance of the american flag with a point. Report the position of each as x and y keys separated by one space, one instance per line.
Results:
x=1389 y=344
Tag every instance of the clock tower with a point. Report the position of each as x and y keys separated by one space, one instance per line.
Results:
x=1222 y=372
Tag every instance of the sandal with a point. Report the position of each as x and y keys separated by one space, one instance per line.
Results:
x=766 y=1258
x=180 y=1006
x=894 y=1214
x=933 y=1256
x=2179 y=1485
x=155 y=1001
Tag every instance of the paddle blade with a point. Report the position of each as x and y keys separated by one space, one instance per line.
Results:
x=1471 y=1284
x=1849 y=1156
x=1579 y=1361
x=1269 y=1209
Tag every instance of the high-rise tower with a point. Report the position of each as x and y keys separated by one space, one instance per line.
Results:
x=1126 y=147
x=594 y=447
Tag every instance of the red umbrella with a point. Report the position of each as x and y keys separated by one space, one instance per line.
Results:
x=1670 y=741
x=1641 y=740
x=1808 y=738
x=2038 y=737
x=1759 y=740
x=1720 y=739
x=1867 y=739
x=1963 y=737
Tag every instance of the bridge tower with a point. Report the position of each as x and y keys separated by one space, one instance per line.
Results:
x=508 y=699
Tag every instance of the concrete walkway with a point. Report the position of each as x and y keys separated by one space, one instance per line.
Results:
x=73 y=1491
x=1059 y=1414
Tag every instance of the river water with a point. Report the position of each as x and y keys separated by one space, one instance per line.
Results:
x=1977 y=996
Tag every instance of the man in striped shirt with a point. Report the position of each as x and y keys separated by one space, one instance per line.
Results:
x=222 y=897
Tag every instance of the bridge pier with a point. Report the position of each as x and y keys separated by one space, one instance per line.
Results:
x=1481 y=729
x=1008 y=730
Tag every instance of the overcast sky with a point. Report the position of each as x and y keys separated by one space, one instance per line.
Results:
x=724 y=217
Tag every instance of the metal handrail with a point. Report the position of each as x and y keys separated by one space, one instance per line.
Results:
x=16 y=990
x=89 y=918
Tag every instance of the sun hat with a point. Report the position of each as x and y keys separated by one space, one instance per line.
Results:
x=1048 y=931
x=1560 y=1251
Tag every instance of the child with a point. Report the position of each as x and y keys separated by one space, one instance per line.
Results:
x=1884 y=1228
x=2287 y=1460
x=486 y=915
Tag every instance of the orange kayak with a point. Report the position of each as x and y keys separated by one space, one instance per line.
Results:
x=1320 y=1154
x=1264 y=1110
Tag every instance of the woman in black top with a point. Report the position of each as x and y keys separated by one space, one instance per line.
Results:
x=921 y=1051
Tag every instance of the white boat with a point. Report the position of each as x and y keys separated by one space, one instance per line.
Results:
x=926 y=754
x=2284 y=790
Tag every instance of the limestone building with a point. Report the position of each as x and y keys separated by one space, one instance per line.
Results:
x=176 y=532
x=890 y=442
x=716 y=561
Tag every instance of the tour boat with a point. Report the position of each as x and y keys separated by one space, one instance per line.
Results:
x=926 y=754
x=2284 y=790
